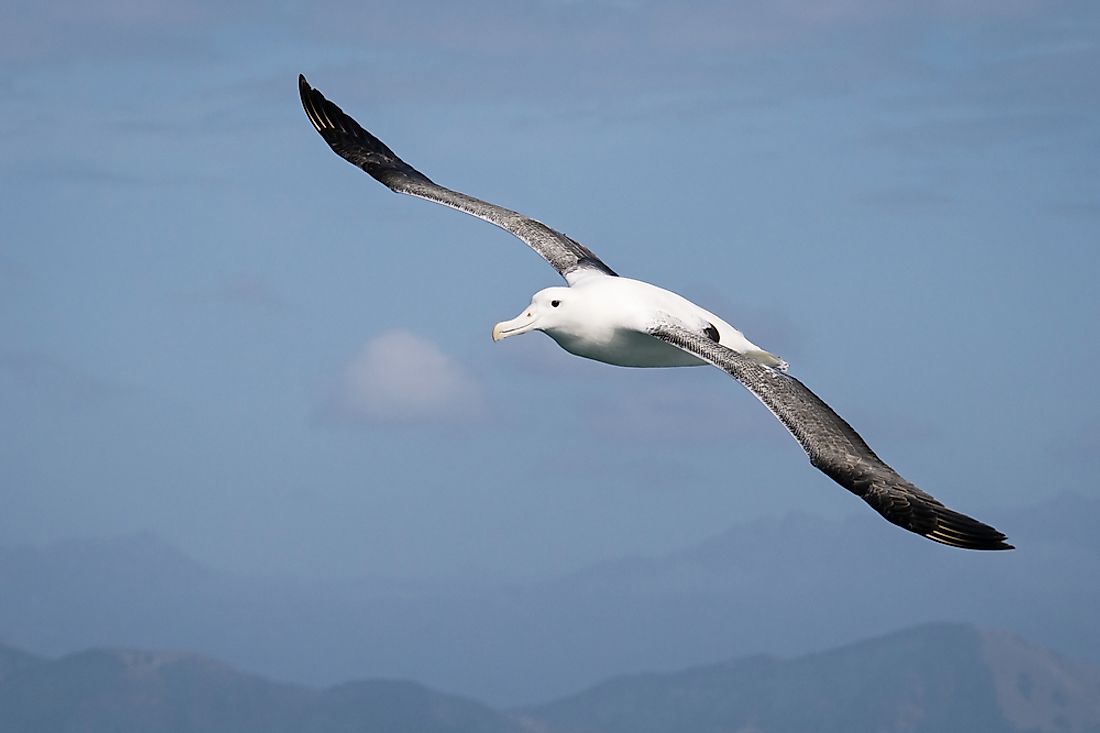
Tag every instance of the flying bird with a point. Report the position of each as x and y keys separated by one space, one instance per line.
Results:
x=600 y=315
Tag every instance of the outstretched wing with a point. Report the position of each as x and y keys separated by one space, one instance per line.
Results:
x=836 y=449
x=357 y=146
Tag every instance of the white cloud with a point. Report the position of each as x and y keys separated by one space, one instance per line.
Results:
x=400 y=377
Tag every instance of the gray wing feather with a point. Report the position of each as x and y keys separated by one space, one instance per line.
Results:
x=360 y=148
x=836 y=449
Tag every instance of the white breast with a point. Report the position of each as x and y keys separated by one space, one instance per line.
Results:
x=626 y=348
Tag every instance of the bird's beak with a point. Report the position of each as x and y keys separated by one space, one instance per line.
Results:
x=522 y=323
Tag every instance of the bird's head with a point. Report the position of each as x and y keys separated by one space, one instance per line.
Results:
x=549 y=309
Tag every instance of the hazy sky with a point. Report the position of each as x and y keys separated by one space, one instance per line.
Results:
x=214 y=329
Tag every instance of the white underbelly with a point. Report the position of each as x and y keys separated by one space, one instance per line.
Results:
x=629 y=349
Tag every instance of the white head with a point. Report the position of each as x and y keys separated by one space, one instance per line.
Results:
x=549 y=309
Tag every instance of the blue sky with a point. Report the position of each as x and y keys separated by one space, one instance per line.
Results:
x=214 y=329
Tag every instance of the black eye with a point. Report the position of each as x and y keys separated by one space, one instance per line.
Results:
x=555 y=303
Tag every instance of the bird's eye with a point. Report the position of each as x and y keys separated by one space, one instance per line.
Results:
x=555 y=303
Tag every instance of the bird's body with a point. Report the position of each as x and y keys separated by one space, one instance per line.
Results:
x=605 y=318
x=631 y=323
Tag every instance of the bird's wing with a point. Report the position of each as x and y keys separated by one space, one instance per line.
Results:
x=357 y=146
x=835 y=448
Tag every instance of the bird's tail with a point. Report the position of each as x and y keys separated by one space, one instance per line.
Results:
x=767 y=359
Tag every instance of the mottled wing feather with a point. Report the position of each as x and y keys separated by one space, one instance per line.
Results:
x=357 y=146
x=836 y=449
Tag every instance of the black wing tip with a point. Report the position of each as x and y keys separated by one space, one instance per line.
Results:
x=910 y=508
x=326 y=116
x=304 y=89
x=352 y=142
x=312 y=102
x=958 y=530
x=311 y=98
x=972 y=544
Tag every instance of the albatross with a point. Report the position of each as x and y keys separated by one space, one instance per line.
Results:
x=600 y=315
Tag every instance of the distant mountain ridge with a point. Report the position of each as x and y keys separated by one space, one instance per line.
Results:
x=936 y=678
x=117 y=691
x=788 y=586
x=929 y=679
x=14 y=660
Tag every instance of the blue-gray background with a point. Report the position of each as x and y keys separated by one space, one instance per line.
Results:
x=214 y=330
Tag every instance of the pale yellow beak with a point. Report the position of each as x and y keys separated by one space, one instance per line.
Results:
x=522 y=323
